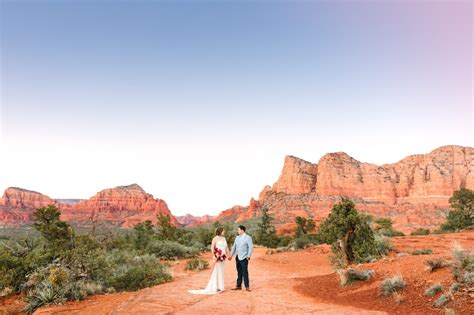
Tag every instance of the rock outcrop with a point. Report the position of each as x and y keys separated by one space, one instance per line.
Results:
x=120 y=206
x=414 y=192
x=190 y=220
x=17 y=204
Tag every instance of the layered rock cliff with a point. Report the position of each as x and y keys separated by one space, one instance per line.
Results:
x=17 y=204
x=414 y=192
x=121 y=206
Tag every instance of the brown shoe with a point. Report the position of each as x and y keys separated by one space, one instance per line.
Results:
x=247 y=289
x=236 y=288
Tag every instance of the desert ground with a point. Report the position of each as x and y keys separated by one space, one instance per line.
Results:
x=301 y=282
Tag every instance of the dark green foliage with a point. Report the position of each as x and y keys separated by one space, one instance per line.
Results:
x=266 y=233
x=436 y=263
x=349 y=234
x=140 y=272
x=299 y=243
x=170 y=250
x=143 y=234
x=462 y=265
x=420 y=232
x=462 y=217
x=434 y=289
x=58 y=234
x=424 y=251
x=386 y=227
x=304 y=226
x=392 y=285
x=442 y=300
x=351 y=275
x=197 y=264
x=165 y=230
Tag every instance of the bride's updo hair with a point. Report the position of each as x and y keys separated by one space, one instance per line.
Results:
x=219 y=231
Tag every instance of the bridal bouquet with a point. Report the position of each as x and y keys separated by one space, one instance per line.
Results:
x=220 y=256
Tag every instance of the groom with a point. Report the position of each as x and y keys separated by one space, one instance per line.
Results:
x=243 y=245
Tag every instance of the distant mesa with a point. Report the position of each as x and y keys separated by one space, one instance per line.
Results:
x=122 y=206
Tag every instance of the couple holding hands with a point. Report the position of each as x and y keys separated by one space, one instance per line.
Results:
x=242 y=248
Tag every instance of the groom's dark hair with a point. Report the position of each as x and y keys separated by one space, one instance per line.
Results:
x=242 y=227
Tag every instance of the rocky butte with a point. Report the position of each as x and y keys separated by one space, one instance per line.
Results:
x=414 y=192
x=122 y=206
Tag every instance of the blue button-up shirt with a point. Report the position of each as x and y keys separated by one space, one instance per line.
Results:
x=243 y=245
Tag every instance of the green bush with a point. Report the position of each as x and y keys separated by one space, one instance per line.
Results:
x=170 y=250
x=140 y=272
x=462 y=217
x=420 y=232
x=453 y=288
x=392 y=285
x=350 y=235
x=386 y=227
x=436 y=263
x=424 y=251
x=434 y=289
x=351 y=275
x=197 y=264
x=266 y=233
x=382 y=245
x=299 y=243
x=442 y=300
x=284 y=241
x=463 y=262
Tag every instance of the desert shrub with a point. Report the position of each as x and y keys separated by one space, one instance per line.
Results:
x=165 y=230
x=284 y=241
x=58 y=234
x=299 y=243
x=462 y=217
x=435 y=263
x=304 y=226
x=196 y=264
x=391 y=285
x=463 y=262
x=266 y=233
x=45 y=293
x=382 y=245
x=143 y=234
x=386 y=227
x=453 y=288
x=424 y=251
x=140 y=272
x=420 y=232
x=434 y=289
x=349 y=233
x=442 y=300
x=468 y=277
x=351 y=275
x=204 y=235
x=170 y=250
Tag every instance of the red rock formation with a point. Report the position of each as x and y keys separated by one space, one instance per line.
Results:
x=297 y=177
x=190 y=220
x=17 y=204
x=122 y=206
x=413 y=191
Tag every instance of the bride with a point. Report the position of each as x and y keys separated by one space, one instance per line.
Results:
x=220 y=252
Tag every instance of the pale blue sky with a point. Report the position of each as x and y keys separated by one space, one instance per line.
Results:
x=199 y=101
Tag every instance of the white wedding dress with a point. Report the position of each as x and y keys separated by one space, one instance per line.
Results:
x=216 y=282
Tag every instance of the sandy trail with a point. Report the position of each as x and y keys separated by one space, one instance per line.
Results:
x=272 y=280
